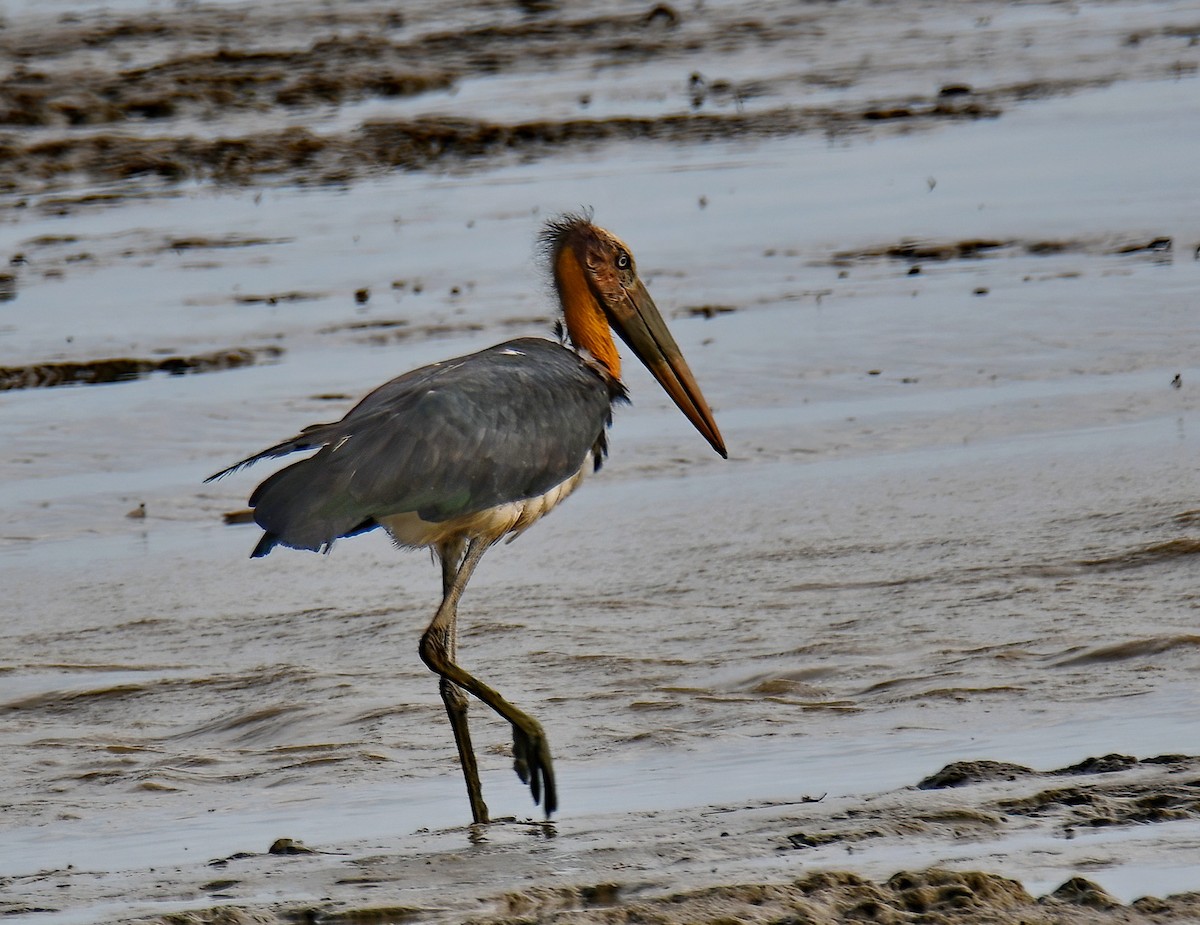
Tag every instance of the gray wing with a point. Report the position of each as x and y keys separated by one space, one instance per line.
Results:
x=457 y=437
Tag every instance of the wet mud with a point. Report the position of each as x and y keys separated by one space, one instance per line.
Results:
x=222 y=80
x=298 y=155
x=74 y=80
x=946 y=539
x=916 y=251
x=127 y=369
x=1167 y=787
x=934 y=896
x=965 y=803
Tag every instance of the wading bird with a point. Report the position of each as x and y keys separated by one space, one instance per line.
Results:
x=457 y=455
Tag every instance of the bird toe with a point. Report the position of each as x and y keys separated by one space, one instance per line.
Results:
x=532 y=762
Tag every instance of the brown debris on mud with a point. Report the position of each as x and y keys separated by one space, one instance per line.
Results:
x=379 y=33
x=1121 y=790
x=81 y=89
x=994 y=799
x=934 y=896
x=961 y=773
x=126 y=369
x=915 y=251
x=1114 y=798
x=718 y=855
x=301 y=156
x=332 y=70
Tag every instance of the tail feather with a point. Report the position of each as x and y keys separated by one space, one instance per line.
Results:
x=268 y=542
x=302 y=507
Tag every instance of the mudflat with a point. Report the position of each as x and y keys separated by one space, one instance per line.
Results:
x=923 y=649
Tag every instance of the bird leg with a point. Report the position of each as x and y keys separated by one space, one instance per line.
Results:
x=456 y=708
x=531 y=751
x=454 y=697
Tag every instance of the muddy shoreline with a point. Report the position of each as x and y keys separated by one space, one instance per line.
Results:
x=922 y=650
x=296 y=155
x=963 y=803
x=94 y=97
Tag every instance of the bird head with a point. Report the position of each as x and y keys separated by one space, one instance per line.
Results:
x=599 y=288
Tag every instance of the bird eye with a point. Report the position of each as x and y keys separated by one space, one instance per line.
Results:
x=623 y=261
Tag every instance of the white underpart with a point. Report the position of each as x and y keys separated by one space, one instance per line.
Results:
x=513 y=517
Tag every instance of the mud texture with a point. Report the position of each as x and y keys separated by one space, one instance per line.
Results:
x=127 y=369
x=934 y=897
x=1095 y=803
x=953 y=533
x=300 y=156
x=972 y=801
x=1111 y=790
x=941 y=251
x=333 y=70
x=176 y=77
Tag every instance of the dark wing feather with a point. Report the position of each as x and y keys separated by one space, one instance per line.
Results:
x=460 y=436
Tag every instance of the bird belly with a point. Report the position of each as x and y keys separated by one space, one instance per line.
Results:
x=490 y=524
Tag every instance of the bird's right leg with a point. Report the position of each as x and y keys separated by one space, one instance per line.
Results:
x=531 y=750
x=453 y=696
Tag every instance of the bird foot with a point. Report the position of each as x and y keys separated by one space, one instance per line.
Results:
x=531 y=761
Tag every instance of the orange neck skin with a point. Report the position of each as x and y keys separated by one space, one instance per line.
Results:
x=586 y=324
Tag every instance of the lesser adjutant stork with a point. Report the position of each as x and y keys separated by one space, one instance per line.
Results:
x=459 y=454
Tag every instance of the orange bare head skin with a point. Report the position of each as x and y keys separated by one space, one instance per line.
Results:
x=583 y=258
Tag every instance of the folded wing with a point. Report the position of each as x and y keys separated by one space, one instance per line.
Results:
x=453 y=438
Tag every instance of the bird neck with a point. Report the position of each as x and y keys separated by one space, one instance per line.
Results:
x=585 y=320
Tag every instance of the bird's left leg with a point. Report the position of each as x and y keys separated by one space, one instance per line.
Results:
x=453 y=696
x=531 y=751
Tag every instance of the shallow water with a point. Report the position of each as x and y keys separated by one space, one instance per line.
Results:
x=959 y=520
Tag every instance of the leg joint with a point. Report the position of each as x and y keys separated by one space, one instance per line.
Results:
x=433 y=650
x=453 y=696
